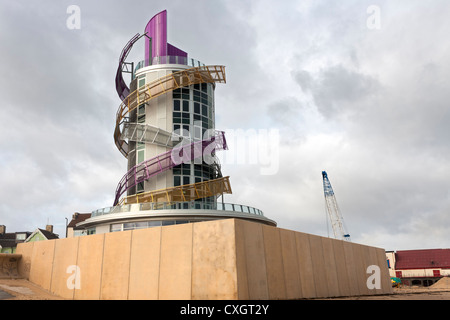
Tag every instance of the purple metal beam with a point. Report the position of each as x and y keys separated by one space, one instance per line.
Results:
x=168 y=160
x=121 y=87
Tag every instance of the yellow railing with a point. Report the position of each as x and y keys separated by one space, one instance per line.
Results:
x=173 y=81
x=188 y=192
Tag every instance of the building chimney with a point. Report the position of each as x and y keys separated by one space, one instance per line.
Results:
x=49 y=228
x=2 y=230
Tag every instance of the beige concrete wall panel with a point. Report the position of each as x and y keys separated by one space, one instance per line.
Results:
x=42 y=263
x=274 y=263
x=305 y=266
x=116 y=266
x=24 y=266
x=341 y=268
x=144 y=264
x=350 y=259
x=373 y=260
x=65 y=268
x=90 y=262
x=361 y=264
x=385 y=276
x=255 y=261
x=214 y=261
x=330 y=267
x=241 y=263
x=176 y=262
x=318 y=262
x=290 y=264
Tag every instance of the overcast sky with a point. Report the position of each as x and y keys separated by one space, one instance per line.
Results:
x=357 y=88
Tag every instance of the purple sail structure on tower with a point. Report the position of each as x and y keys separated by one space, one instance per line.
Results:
x=156 y=41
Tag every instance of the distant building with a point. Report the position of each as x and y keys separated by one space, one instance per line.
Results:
x=41 y=234
x=9 y=241
x=72 y=229
x=419 y=267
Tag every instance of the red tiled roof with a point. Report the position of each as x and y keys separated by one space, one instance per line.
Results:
x=77 y=218
x=423 y=259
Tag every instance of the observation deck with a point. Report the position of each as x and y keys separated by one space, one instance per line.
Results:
x=144 y=215
x=164 y=60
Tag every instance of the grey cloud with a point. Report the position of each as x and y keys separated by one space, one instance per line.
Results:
x=337 y=89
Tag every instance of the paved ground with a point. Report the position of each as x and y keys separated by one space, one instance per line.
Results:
x=24 y=290
x=408 y=294
x=19 y=289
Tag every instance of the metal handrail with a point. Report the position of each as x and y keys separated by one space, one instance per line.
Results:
x=188 y=205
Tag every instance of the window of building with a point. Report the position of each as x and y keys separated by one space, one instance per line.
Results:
x=141 y=156
x=21 y=236
x=141 y=81
x=116 y=227
x=140 y=187
x=141 y=113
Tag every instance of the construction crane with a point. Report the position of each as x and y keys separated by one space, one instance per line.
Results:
x=337 y=222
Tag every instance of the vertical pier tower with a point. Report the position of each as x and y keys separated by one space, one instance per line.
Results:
x=165 y=127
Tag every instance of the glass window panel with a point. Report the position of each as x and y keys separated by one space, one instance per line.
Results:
x=186 y=106
x=129 y=226
x=186 y=180
x=154 y=223
x=116 y=227
x=141 y=156
x=168 y=222
x=176 y=181
x=141 y=225
x=185 y=132
x=176 y=105
x=197 y=108
x=204 y=110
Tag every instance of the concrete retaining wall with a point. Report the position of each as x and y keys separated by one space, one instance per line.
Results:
x=9 y=265
x=225 y=259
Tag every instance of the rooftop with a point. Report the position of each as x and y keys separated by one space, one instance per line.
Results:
x=422 y=259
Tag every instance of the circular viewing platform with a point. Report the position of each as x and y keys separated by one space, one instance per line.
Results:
x=145 y=215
